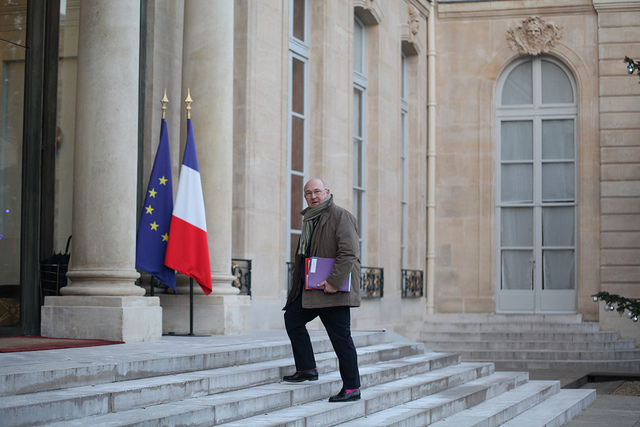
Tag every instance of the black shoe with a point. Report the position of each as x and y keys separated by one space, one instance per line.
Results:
x=343 y=396
x=309 y=375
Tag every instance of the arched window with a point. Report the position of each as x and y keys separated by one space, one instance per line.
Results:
x=536 y=187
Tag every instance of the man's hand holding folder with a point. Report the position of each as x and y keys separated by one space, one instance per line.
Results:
x=316 y=272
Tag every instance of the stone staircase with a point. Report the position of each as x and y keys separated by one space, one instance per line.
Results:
x=531 y=342
x=235 y=381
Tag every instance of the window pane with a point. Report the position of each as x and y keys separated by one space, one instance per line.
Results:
x=518 y=88
x=558 y=183
x=297 y=144
x=293 y=238
x=558 y=270
x=557 y=139
x=517 y=183
x=558 y=226
x=298 y=19
x=14 y=22
x=517 y=227
x=297 y=86
x=358 y=43
x=357 y=113
x=404 y=94
x=357 y=208
x=11 y=120
x=556 y=87
x=297 y=189
x=357 y=163
x=517 y=140
x=517 y=270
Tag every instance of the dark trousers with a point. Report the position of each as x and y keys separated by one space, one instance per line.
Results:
x=337 y=321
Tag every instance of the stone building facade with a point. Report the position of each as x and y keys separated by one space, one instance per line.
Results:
x=584 y=42
x=490 y=146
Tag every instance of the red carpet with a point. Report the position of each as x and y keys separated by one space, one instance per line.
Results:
x=13 y=344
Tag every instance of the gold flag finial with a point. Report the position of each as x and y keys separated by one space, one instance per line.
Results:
x=164 y=102
x=188 y=101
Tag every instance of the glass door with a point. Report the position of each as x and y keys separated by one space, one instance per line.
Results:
x=536 y=211
x=12 y=88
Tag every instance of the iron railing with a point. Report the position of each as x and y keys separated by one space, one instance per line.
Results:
x=241 y=270
x=412 y=283
x=371 y=282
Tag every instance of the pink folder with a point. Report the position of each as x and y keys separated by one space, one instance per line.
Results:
x=317 y=270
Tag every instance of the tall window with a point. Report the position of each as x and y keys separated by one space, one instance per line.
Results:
x=298 y=114
x=537 y=114
x=404 y=169
x=359 y=127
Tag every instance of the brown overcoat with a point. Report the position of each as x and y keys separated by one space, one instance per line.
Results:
x=335 y=236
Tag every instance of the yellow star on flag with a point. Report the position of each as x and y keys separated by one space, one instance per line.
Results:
x=165 y=237
x=154 y=225
x=152 y=193
x=163 y=180
x=149 y=210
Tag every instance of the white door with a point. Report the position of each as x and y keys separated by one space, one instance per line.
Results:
x=536 y=188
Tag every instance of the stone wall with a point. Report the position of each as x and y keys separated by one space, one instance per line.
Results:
x=618 y=36
x=261 y=150
x=472 y=52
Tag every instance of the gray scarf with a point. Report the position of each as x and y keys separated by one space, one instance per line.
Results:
x=310 y=215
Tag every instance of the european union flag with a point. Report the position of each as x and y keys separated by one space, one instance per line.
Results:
x=153 y=231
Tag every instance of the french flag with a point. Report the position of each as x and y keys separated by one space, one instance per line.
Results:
x=188 y=249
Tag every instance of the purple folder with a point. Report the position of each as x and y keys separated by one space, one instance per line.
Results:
x=317 y=270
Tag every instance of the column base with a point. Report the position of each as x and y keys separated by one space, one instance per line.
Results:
x=116 y=318
x=212 y=314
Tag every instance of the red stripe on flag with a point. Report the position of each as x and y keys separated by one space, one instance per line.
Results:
x=188 y=252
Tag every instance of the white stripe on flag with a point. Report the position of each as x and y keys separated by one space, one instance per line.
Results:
x=189 y=204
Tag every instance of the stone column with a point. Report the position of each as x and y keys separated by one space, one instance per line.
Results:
x=102 y=300
x=208 y=73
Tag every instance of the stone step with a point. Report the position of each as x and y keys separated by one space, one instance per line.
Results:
x=511 y=327
x=469 y=345
x=512 y=407
x=519 y=336
x=84 y=401
x=548 y=355
x=503 y=318
x=308 y=396
x=621 y=366
x=434 y=407
x=556 y=410
x=504 y=407
x=459 y=384
x=134 y=361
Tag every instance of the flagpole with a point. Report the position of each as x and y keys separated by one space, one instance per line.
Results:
x=155 y=218
x=190 y=306
x=164 y=102
x=188 y=100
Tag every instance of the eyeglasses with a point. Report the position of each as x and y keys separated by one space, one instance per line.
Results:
x=317 y=192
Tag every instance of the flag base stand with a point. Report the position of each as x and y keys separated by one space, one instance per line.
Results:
x=190 y=334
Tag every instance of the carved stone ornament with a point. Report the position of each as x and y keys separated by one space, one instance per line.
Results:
x=534 y=36
x=414 y=20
